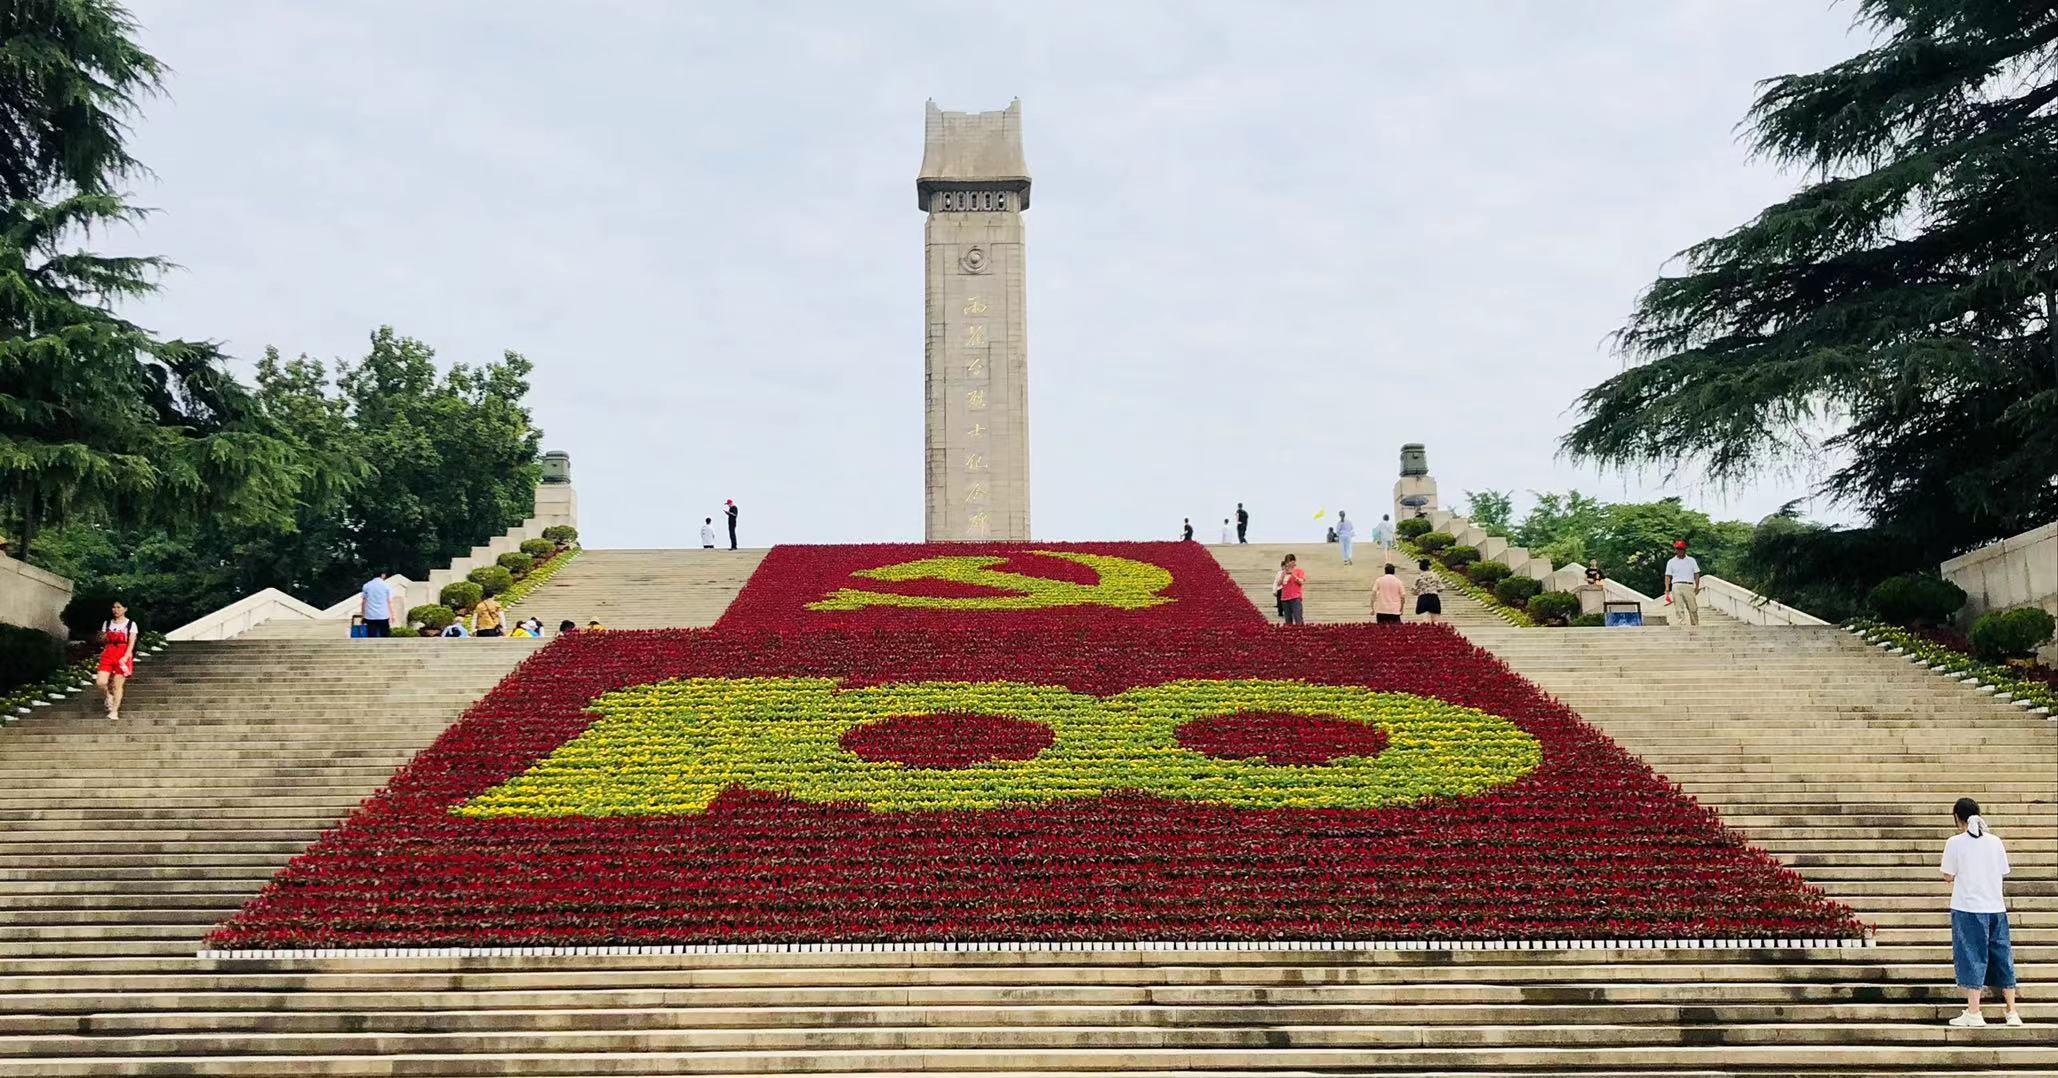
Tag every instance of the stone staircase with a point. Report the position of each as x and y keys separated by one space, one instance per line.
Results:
x=124 y=843
x=127 y=840
x=642 y=589
x=1836 y=758
x=1335 y=591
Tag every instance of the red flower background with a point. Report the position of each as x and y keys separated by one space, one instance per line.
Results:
x=1591 y=844
x=791 y=577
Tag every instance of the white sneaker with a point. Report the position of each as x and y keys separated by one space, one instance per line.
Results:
x=1970 y=1018
x=2013 y=1019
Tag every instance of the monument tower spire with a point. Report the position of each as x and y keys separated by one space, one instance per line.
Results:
x=974 y=187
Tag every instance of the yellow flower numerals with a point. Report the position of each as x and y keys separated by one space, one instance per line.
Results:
x=671 y=747
x=1124 y=583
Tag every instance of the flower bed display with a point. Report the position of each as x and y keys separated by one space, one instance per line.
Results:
x=1043 y=777
x=968 y=585
x=1949 y=658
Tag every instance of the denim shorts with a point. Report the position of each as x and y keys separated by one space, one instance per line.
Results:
x=1980 y=952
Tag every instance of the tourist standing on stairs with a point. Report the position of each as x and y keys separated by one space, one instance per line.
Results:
x=375 y=606
x=730 y=512
x=1289 y=586
x=487 y=617
x=1388 y=597
x=1382 y=534
x=1345 y=532
x=707 y=534
x=1186 y=530
x=1981 y=956
x=1683 y=584
x=118 y=637
x=1428 y=592
x=1243 y=523
x=1225 y=531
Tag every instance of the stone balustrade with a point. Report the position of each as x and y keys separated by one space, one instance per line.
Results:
x=32 y=597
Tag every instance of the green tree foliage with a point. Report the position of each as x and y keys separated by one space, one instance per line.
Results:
x=100 y=419
x=1906 y=299
x=457 y=450
x=1560 y=526
x=455 y=456
x=70 y=75
x=1492 y=510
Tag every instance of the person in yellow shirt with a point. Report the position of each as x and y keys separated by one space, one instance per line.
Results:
x=487 y=617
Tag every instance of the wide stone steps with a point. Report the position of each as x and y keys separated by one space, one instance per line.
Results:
x=642 y=589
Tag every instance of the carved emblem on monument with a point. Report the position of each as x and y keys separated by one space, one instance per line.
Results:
x=974 y=261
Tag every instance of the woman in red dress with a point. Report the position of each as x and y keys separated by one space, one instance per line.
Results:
x=117 y=657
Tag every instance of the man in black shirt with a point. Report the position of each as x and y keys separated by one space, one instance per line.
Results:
x=731 y=513
x=1243 y=523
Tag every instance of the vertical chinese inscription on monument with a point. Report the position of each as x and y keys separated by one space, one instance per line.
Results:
x=974 y=186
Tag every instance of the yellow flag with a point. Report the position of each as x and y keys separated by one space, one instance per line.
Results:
x=1320 y=513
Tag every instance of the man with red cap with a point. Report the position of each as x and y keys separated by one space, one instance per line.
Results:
x=1683 y=583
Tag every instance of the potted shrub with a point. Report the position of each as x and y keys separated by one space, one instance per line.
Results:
x=460 y=595
x=1915 y=599
x=1413 y=528
x=2011 y=636
x=1554 y=607
x=1458 y=557
x=1516 y=591
x=516 y=563
x=1435 y=541
x=563 y=535
x=491 y=578
x=432 y=617
x=1487 y=573
x=538 y=548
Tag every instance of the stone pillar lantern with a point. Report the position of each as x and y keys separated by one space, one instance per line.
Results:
x=1415 y=493
x=556 y=501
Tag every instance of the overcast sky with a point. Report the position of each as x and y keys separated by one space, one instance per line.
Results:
x=1269 y=244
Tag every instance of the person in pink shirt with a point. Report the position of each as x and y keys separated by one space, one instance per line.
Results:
x=1387 y=597
x=1288 y=585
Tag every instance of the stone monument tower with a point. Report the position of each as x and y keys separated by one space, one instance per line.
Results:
x=974 y=187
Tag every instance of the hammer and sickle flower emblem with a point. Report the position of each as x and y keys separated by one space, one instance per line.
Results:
x=1123 y=583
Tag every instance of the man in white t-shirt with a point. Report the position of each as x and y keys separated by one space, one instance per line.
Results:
x=707 y=533
x=1683 y=584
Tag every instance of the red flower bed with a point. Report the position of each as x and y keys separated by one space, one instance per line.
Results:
x=1588 y=844
x=788 y=589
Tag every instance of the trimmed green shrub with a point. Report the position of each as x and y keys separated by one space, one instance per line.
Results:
x=1915 y=599
x=1413 y=527
x=1554 y=607
x=1487 y=573
x=404 y=630
x=1589 y=621
x=538 y=549
x=432 y=617
x=2012 y=634
x=516 y=563
x=27 y=655
x=1435 y=541
x=1458 y=557
x=561 y=534
x=1516 y=591
x=460 y=595
x=492 y=578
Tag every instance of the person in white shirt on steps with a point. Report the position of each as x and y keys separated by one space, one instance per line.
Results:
x=1345 y=533
x=1974 y=862
x=707 y=534
x=1683 y=584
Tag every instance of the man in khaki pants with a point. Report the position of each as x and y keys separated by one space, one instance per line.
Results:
x=1683 y=584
